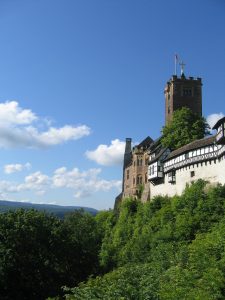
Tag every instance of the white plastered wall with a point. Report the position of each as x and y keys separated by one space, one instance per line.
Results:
x=213 y=172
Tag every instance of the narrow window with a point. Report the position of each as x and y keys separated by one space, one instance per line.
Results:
x=146 y=178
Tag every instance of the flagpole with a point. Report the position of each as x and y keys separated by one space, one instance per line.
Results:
x=176 y=64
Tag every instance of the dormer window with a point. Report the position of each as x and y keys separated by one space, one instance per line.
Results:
x=155 y=171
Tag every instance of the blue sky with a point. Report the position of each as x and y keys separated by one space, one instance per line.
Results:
x=79 y=76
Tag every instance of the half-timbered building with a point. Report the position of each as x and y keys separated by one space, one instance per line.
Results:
x=201 y=159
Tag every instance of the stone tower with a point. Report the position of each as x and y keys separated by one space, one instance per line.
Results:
x=135 y=169
x=127 y=157
x=183 y=92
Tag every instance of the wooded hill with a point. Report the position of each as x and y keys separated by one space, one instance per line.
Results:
x=57 y=210
x=167 y=248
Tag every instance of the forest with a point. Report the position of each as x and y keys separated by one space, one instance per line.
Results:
x=166 y=248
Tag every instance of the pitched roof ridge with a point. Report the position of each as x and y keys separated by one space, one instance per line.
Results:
x=193 y=145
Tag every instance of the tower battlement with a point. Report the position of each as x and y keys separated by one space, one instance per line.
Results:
x=182 y=92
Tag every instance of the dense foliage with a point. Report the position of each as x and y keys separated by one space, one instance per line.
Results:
x=39 y=253
x=170 y=248
x=167 y=248
x=184 y=128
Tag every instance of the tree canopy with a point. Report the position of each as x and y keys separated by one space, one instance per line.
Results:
x=184 y=128
x=168 y=248
x=40 y=253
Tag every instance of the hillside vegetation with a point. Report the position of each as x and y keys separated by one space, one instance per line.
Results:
x=167 y=248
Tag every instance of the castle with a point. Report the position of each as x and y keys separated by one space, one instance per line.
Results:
x=150 y=170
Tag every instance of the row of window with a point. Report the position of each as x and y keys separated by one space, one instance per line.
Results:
x=191 y=154
x=140 y=162
x=186 y=91
x=138 y=179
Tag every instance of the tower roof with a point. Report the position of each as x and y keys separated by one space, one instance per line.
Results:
x=145 y=143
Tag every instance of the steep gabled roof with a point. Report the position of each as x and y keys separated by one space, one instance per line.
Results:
x=155 y=145
x=145 y=143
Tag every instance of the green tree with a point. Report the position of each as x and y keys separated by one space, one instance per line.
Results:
x=40 y=253
x=184 y=128
x=83 y=242
x=167 y=248
x=30 y=262
x=131 y=282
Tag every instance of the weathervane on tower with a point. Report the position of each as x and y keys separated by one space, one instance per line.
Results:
x=182 y=64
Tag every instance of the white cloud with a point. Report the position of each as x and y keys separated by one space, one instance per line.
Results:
x=36 y=182
x=81 y=183
x=12 y=168
x=56 y=136
x=108 y=155
x=12 y=114
x=213 y=118
x=17 y=129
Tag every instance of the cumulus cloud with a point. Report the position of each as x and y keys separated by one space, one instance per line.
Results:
x=12 y=114
x=33 y=182
x=12 y=168
x=81 y=183
x=20 y=128
x=213 y=118
x=108 y=155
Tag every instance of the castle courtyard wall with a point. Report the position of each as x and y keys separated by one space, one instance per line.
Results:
x=212 y=171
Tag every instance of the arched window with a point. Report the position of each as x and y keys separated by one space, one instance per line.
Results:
x=139 y=179
x=139 y=161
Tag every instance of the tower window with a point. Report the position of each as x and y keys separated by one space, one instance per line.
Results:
x=128 y=174
x=139 y=179
x=139 y=162
x=187 y=92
